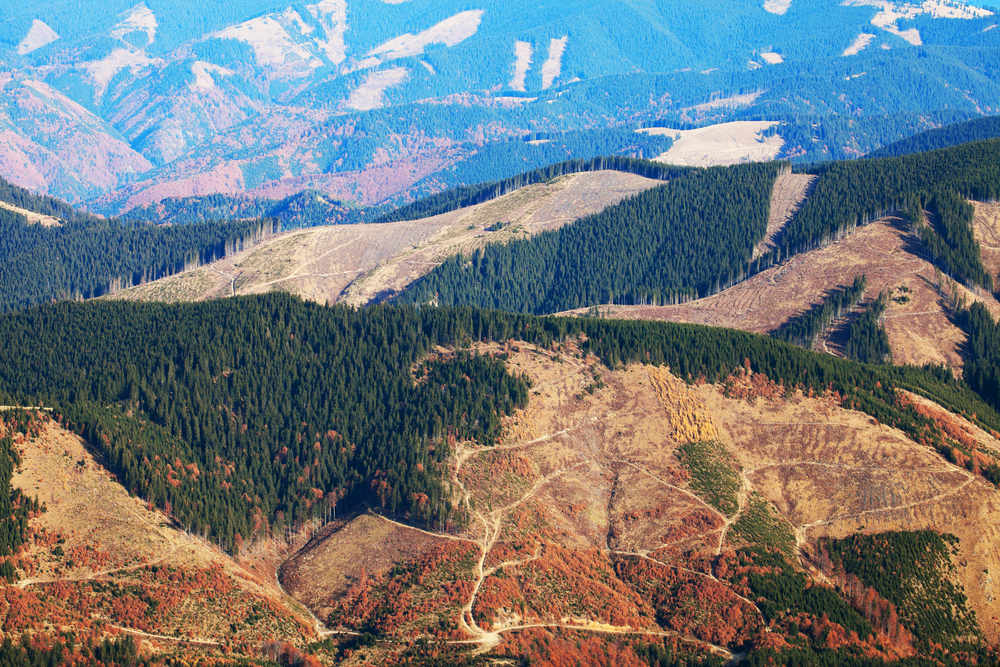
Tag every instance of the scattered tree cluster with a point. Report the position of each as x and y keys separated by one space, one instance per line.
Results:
x=803 y=329
x=866 y=340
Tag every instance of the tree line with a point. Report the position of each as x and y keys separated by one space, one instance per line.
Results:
x=687 y=238
x=250 y=415
x=471 y=195
x=804 y=328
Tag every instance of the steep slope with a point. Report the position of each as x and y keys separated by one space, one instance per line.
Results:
x=101 y=562
x=501 y=483
x=361 y=263
x=597 y=518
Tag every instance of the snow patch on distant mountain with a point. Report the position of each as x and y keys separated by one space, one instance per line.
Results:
x=139 y=19
x=203 y=71
x=890 y=13
x=39 y=35
x=777 y=6
x=371 y=94
x=523 y=52
x=450 y=32
x=859 y=44
x=552 y=67
x=104 y=70
x=272 y=42
x=332 y=15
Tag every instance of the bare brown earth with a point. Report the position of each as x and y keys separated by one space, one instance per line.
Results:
x=789 y=192
x=99 y=556
x=986 y=226
x=356 y=263
x=586 y=490
x=919 y=329
x=31 y=216
x=833 y=472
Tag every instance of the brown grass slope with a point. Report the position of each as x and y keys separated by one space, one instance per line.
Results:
x=100 y=562
x=356 y=263
x=920 y=329
x=584 y=520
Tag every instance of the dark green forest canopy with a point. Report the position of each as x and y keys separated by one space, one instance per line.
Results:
x=976 y=129
x=695 y=235
x=256 y=411
x=688 y=237
x=88 y=257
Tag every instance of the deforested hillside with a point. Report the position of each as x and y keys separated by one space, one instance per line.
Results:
x=475 y=481
x=365 y=262
x=688 y=237
x=51 y=251
x=697 y=234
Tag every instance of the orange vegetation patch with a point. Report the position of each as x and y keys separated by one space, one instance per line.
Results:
x=417 y=597
x=101 y=562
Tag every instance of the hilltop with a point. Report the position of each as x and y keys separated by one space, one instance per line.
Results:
x=622 y=491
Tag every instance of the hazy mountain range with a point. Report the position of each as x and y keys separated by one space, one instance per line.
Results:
x=117 y=104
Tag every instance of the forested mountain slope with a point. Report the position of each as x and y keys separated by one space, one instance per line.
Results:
x=361 y=263
x=697 y=234
x=530 y=461
x=126 y=104
x=51 y=251
x=944 y=137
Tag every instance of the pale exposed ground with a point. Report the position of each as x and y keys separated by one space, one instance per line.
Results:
x=523 y=53
x=594 y=471
x=32 y=217
x=986 y=225
x=450 y=32
x=834 y=472
x=88 y=508
x=203 y=71
x=790 y=190
x=39 y=35
x=139 y=19
x=731 y=102
x=552 y=67
x=355 y=263
x=777 y=6
x=371 y=94
x=859 y=44
x=919 y=330
x=721 y=144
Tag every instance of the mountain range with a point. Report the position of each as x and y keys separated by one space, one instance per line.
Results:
x=118 y=105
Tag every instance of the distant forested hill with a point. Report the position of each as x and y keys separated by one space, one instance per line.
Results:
x=976 y=129
x=695 y=234
x=86 y=256
x=256 y=412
